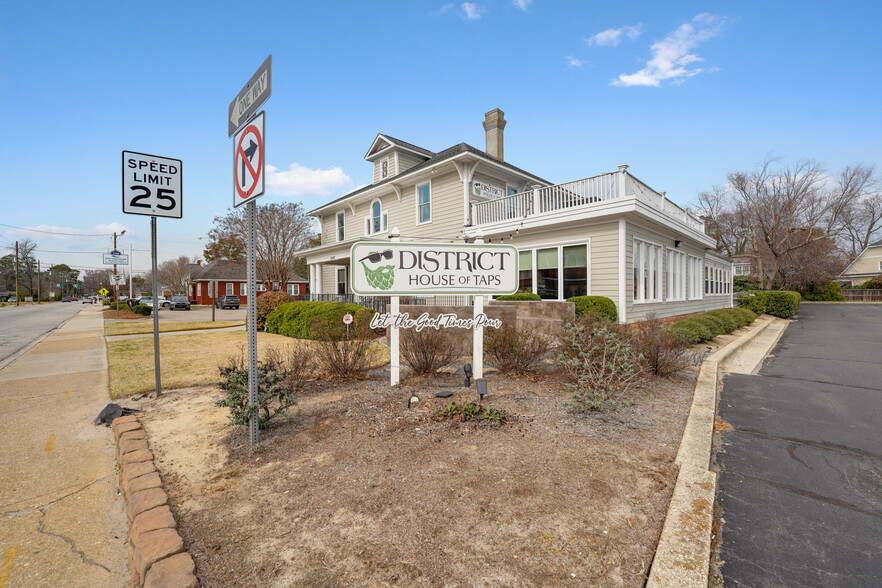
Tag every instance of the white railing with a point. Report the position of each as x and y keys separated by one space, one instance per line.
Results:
x=579 y=193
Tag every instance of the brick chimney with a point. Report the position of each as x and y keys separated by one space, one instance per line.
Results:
x=494 y=123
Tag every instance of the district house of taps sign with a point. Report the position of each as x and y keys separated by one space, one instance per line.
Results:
x=391 y=269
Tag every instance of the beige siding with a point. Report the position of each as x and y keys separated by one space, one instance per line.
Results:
x=665 y=237
x=868 y=262
x=407 y=161
x=377 y=167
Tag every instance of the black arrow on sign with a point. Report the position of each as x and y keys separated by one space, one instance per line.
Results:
x=249 y=153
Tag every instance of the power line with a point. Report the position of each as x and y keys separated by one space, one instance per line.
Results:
x=58 y=232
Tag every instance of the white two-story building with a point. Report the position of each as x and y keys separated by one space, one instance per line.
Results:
x=605 y=235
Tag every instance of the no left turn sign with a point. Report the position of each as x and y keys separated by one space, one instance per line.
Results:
x=248 y=161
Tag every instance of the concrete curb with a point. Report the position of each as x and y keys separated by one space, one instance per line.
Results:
x=682 y=558
x=156 y=551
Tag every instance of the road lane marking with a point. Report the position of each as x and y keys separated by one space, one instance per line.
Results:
x=51 y=443
x=7 y=564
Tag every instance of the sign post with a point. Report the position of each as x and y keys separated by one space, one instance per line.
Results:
x=249 y=162
x=395 y=268
x=152 y=186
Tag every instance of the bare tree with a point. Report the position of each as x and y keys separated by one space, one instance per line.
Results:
x=772 y=213
x=283 y=229
x=95 y=279
x=174 y=274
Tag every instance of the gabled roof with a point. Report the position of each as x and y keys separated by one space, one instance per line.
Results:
x=231 y=269
x=434 y=160
x=383 y=141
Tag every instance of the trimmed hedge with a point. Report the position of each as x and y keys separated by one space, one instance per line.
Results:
x=520 y=296
x=602 y=305
x=692 y=330
x=142 y=309
x=268 y=302
x=753 y=301
x=712 y=323
x=295 y=319
x=729 y=322
x=829 y=292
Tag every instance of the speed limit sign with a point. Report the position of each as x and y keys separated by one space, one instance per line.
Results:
x=151 y=185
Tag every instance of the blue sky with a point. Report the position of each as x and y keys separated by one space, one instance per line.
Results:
x=683 y=92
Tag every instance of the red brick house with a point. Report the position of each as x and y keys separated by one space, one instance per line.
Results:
x=229 y=278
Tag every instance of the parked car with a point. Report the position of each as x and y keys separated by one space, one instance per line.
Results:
x=149 y=301
x=74 y=299
x=227 y=302
x=179 y=302
x=87 y=300
x=65 y=298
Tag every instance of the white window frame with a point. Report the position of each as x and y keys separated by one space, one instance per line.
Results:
x=655 y=257
x=294 y=289
x=416 y=192
x=229 y=286
x=696 y=286
x=199 y=289
x=261 y=287
x=384 y=161
x=676 y=275
x=369 y=219
x=243 y=288
x=718 y=281
x=739 y=268
x=337 y=281
x=341 y=226
x=533 y=249
x=880 y=266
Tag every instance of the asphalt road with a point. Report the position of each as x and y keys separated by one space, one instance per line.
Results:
x=21 y=325
x=800 y=482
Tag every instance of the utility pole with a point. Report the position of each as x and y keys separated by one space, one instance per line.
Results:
x=16 y=273
x=131 y=265
x=38 y=281
x=115 y=283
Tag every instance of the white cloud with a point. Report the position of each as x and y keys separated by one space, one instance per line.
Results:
x=41 y=232
x=472 y=11
x=299 y=180
x=574 y=61
x=672 y=55
x=612 y=37
x=443 y=10
x=522 y=4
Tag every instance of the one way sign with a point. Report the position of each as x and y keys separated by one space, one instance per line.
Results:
x=248 y=161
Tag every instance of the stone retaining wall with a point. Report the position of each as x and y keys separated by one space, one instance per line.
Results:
x=156 y=551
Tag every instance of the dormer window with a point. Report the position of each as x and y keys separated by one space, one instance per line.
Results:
x=384 y=168
x=378 y=219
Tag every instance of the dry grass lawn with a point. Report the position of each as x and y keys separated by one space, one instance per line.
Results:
x=188 y=360
x=140 y=328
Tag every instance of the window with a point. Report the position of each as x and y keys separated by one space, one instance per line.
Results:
x=546 y=273
x=384 y=168
x=229 y=286
x=525 y=271
x=377 y=220
x=424 y=203
x=198 y=289
x=647 y=272
x=676 y=275
x=340 y=227
x=341 y=280
x=243 y=289
x=880 y=266
x=742 y=269
x=294 y=289
x=575 y=271
x=717 y=280
x=261 y=287
x=695 y=272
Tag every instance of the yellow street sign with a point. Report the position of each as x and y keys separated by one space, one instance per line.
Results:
x=103 y=292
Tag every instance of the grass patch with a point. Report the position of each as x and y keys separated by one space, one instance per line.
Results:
x=141 y=328
x=191 y=360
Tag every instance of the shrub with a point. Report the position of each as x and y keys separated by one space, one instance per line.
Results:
x=729 y=322
x=753 y=301
x=713 y=324
x=268 y=302
x=781 y=303
x=279 y=376
x=514 y=350
x=829 y=292
x=743 y=284
x=602 y=305
x=297 y=319
x=664 y=352
x=871 y=284
x=747 y=315
x=692 y=330
x=428 y=350
x=105 y=303
x=142 y=309
x=344 y=351
x=602 y=362
x=520 y=296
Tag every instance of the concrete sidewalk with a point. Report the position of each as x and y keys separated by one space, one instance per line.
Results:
x=61 y=521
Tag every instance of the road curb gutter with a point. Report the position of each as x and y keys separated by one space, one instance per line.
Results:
x=682 y=558
x=157 y=556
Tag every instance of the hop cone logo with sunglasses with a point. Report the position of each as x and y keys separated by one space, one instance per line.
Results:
x=382 y=278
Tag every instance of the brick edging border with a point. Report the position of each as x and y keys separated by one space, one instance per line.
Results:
x=157 y=556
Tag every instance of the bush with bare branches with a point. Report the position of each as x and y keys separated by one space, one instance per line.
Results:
x=664 y=352
x=343 y=351
x=429 y=350
x=515 y=350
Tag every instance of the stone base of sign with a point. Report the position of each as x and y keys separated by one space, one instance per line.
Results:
x=547 y=316
x=157 y=556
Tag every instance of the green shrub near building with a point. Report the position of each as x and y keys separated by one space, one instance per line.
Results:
x=693 y=330
x=829 y=292
x=522 y=296
x=296 y=319
x=710 y=324
x=142 y=309
x=602 y=305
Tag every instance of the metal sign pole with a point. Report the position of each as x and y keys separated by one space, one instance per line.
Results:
x=250 y=212
x=155 y=306
x=478 y=331
x=394 y=333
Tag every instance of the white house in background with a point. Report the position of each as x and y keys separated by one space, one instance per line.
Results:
x=605 y=235
x=867 y=265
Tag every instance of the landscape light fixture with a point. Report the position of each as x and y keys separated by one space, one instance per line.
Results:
x=467 y=370
x=414 y=399
x=481 y=387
